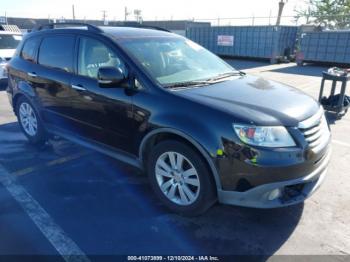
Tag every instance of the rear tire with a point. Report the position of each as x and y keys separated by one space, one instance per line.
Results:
x=180 y=178
x=30 y=122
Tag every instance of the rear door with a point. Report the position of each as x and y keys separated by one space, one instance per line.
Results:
x=54 y=74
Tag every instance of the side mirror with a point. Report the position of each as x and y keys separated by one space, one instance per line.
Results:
x=109 y=76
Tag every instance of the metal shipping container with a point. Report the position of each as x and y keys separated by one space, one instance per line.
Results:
x=325 y=46
x=268 y=42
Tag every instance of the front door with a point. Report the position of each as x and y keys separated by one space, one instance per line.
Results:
x=104 y=114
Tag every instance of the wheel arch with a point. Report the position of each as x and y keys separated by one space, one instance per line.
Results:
x=161 y=134
x=15 y=100
x=23 y=90
x=31 y=99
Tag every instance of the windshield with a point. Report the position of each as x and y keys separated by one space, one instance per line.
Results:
x=175 y=60
x=9 y=41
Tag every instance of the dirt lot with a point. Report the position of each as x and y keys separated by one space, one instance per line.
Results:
x=65 y=199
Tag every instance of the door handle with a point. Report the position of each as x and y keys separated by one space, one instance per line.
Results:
x=78 y=87
x=33 y=74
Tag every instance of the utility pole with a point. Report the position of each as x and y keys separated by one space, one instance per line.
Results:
x=138 y=15
x=126 y=13
x=73 y=12
x=104 y=15
x=280 y=10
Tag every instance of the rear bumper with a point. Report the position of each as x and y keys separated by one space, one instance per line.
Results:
x=278 y=194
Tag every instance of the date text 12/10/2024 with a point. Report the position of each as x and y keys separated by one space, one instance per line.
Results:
x=173 y=258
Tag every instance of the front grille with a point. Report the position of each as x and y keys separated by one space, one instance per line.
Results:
x=315 y=131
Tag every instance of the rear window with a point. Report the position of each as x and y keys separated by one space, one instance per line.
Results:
x=29 y=49
x=57 y=52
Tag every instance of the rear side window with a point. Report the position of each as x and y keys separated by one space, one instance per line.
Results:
x=29 y=49
x=57 y=52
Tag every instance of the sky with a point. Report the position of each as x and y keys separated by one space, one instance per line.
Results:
x=151 y=9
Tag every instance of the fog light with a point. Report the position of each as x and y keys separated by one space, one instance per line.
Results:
x=274 y=194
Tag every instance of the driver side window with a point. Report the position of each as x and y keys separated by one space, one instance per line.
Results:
x=93 y=54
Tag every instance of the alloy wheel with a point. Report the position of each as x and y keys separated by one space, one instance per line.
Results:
x=177 y=178
x=28 y=119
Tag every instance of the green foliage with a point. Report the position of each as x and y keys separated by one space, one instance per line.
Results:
x=333 y=14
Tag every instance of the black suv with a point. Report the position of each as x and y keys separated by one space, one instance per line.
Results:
x=201 y=130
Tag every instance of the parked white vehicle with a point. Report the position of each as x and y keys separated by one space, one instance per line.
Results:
x=8 y=44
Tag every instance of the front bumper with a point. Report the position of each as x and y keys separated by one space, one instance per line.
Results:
x=290 y=191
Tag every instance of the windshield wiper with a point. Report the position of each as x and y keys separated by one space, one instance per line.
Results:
x=188 y=84
x=225 y=75
x=209 y=81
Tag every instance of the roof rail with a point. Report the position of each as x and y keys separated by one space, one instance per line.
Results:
x=147 y=27
x=52 y=26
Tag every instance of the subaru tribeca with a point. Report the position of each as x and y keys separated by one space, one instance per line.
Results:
x=202 y=131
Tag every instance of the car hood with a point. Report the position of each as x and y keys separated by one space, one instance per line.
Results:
x=256 y=100
x=7 y=53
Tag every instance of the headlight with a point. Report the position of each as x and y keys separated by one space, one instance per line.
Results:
x=267 y=136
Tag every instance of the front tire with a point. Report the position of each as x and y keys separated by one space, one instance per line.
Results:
x=30 y=122
x=180 y=178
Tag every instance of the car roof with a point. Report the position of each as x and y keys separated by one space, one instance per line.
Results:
x=120 y=32
x=134 y=32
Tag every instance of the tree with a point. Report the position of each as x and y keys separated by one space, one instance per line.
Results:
x=333 y=14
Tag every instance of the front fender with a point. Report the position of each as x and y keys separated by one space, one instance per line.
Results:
x=196 y=133
x=199 y=131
